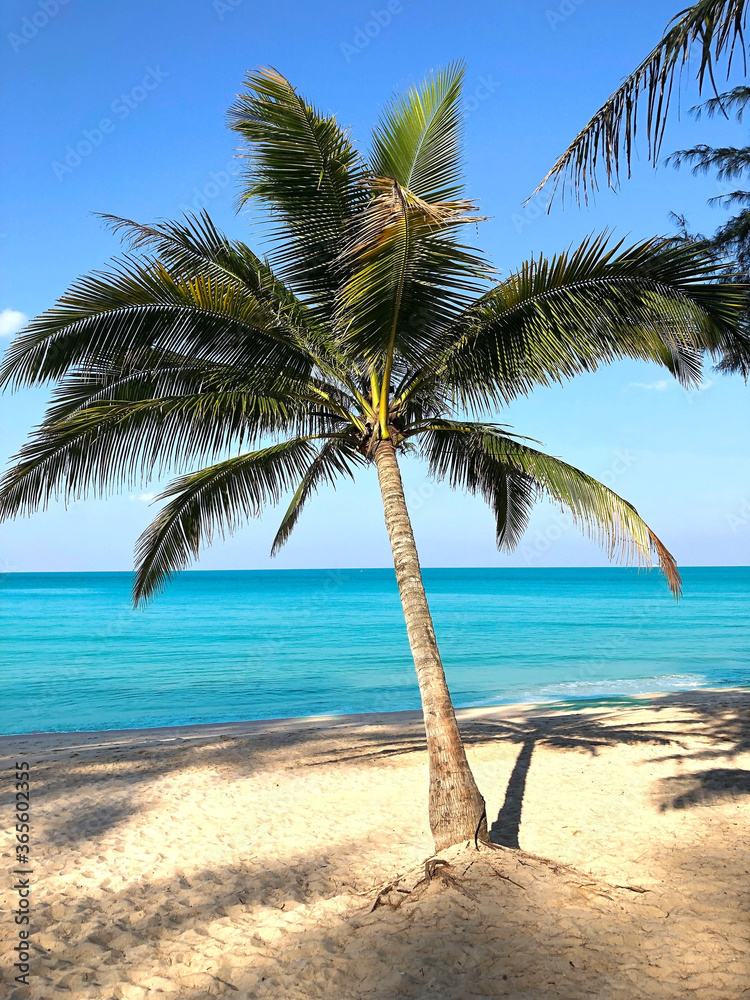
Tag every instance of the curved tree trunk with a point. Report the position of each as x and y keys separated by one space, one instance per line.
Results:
x=457 y=811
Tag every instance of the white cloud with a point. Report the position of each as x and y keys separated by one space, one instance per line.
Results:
x=661 y=386
x=11 y=321
x=144 y=497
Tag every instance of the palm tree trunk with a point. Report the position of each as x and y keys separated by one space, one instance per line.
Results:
x=457 y=811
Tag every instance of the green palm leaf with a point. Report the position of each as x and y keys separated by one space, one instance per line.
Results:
x=302 y=166
x=418 y=140
x=334 y=460
x=126 y=439
x=483 y=459
x=217 y=499
x=138 y=308
x=194 y=247
x=407 y=277
x=556 y=318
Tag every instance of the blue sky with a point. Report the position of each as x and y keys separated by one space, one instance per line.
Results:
x=144 y=87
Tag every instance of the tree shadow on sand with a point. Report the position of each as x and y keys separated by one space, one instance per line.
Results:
x=587 y=734
x=720 y=723
x=704 y=788
x=506 y=828
x=520 y=933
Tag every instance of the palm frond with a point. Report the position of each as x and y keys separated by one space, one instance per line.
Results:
x=218 y=499
x=334 y=460
x=485 y=460
x=100 y=437
x=407 y=275
x=418 y=141
x=556 y=318
x=715 y=28
x=303 y=167
x=194 y=247
x=404 y=274
x=140 y=307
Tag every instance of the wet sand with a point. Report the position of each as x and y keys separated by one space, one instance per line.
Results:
x=286 y=859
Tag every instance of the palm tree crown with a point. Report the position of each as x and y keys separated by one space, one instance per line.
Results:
x=375 y=324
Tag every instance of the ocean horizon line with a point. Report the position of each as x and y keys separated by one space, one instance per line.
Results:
x=363 y=569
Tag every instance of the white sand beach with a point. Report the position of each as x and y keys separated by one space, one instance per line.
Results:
x=246 y=860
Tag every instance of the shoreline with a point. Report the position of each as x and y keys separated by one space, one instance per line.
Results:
x=315 y=723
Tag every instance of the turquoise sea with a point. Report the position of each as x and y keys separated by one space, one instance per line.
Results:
x=221 y=646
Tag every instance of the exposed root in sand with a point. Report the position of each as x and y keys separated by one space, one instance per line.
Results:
x=450 y=870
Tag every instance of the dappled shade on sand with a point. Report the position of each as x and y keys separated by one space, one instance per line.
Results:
x=246 y=860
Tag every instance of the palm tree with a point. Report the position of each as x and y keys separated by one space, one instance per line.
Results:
x=731 y=241
x=713 y=28
x=375 y=333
